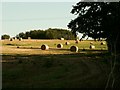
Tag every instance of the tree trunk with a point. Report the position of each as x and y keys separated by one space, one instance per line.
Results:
x=113 y=43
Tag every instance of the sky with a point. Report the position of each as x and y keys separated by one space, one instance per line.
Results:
x=25 y=16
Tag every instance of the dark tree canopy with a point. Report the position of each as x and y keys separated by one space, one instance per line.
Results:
x=97 y=20
x=5 y=36
x=47 y=34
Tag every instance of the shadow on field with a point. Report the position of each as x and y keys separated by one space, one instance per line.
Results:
x=77 y=70
x=60 y=49
x=22 y=47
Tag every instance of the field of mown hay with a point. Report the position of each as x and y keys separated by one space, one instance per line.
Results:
x=27 y=66
x=32 y=47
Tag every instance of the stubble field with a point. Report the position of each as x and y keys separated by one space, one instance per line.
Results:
x=25 y=65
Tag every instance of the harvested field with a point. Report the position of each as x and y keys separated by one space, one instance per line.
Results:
x=30 y=67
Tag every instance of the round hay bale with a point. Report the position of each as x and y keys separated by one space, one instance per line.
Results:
x=29 y=37
x=102 y=43
x=83 y=49
x=77 y=41
x=67 y=43
x=18 y=47
x=14 y=38
x=59 y=46
x=20 y=39
x=74 y=48
x=61 y=38
x=44 y=47
x=11 y=39
x=91 y=43
x=92 y=47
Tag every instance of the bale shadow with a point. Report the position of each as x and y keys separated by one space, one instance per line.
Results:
x=21 y=47
x=59 y=49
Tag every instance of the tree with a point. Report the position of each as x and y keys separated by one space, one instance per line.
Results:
x=46 y=34
x=5 y=36
x=98 y=20
x=101 y=20
x=21 y=35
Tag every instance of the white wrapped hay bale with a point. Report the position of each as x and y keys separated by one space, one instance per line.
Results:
x=102 y=43
x=67 y=43
x=60 y=46
x=92 y=47
x=74 y=48
x=44 y=47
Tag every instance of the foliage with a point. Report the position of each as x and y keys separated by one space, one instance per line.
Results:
x=5 y=36
x=101 y=20
x=98 y=20
x=47 y=34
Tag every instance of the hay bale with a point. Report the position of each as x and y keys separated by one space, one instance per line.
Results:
x=83 y=49
x=77 y=41
x=74 y=48
x=11 y=39
x=14 y=38
x=62 y=39
x=102 y=43
x=59 y=46
x=44 y=47
x=20 y=39
x=29 y=37
x=67 y=43
x=92 y=47
x=91 y=43
x=18 y=47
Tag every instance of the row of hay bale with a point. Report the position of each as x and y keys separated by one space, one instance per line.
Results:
x=12 y=39
x=20 y=39
x=91 y=43
x=102 y=43
x=72 y=48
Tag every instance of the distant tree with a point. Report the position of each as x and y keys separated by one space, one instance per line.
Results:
x=59 y=33
x=21 y=35
x=50 y=34
x=5 y=36
x=47 y=34
x=37 y=34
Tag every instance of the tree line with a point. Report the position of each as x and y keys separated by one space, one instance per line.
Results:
x=44 y=34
